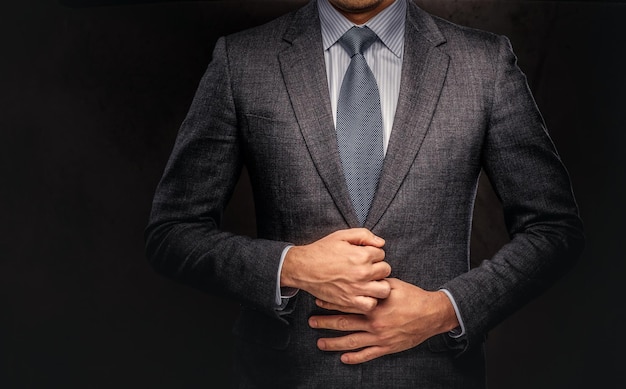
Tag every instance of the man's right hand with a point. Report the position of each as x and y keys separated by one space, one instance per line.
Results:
x=346 y=268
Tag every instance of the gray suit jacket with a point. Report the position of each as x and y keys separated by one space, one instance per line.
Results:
x=464 y=106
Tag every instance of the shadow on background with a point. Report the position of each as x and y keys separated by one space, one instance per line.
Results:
x=91 y=101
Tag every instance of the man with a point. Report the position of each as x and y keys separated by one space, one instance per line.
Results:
x=332 y=296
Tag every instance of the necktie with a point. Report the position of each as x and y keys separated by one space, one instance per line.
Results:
x=359 y=122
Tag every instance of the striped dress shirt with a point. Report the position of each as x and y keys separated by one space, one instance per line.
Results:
x=384 y=57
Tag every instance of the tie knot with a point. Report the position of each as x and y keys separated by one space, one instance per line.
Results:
x=357 y=39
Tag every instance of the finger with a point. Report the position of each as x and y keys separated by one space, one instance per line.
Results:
x=338 y=322
x=365 y=304
x=346 y=343
x=336 y=307
x=375 y=254
x=365 y=355
x=356 y=304
x=377 y=289
x=380 y=270
x=362 y=237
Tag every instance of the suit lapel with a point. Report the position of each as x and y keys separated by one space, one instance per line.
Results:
x=304 y=73
x=423 y=74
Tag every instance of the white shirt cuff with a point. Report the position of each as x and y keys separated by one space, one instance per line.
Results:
x=283 y=294
x=460 y=330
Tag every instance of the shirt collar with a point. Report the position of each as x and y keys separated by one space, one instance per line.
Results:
x=388 y=25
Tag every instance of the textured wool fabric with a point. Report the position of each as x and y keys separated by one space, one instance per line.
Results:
x=360 y=123
x=464 y=107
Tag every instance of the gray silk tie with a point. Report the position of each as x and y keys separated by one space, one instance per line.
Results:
x=359 y=123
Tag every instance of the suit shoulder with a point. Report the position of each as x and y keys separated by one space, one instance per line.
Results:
x=471 y=46
x=473 y=38
x=459 y=42
x=263 y=38
x=268 y=32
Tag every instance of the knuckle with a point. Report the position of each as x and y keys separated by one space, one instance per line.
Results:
x=377 y=326
x=386 y=287
x=381 y=272
x=343 y=323
x=368 y=355
x=384 y=292
x=373 y=254
x=352 y=342
x=361 y=273
x=370 y=304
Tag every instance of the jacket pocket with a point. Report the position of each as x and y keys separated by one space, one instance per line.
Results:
x=275 y=130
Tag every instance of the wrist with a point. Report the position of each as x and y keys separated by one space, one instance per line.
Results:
x=289 y=267
x=448 y=319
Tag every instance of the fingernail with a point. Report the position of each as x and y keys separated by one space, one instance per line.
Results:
x=313 y=323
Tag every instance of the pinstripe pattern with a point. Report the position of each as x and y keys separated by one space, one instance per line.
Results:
x=384 y=57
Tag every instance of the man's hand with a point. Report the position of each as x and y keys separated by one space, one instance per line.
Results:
x=408 y=317
x=345 y=268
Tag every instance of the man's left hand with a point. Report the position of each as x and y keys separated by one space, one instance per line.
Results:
x=406 y=318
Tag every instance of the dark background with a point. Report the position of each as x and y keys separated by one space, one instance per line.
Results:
x=90 y=102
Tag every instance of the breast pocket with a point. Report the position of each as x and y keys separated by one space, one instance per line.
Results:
x=275 y=130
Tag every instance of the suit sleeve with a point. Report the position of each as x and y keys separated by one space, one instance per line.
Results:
x=183 y=236
x=540 y=212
